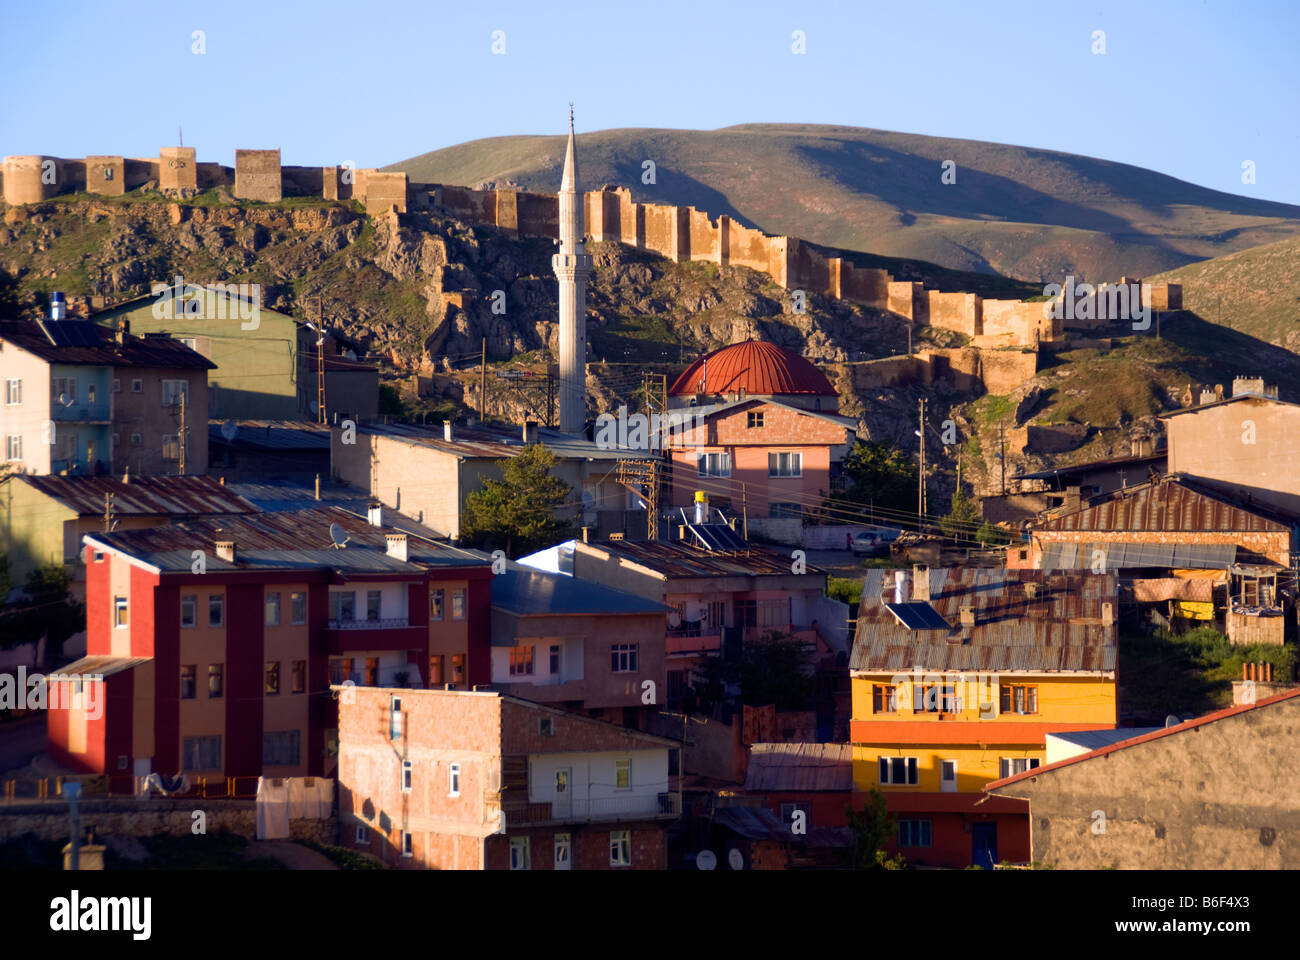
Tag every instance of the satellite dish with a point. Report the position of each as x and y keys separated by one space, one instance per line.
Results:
x=1172 y=721
x=339 y=536
x=229 y=429
x=706 y=860
x=735 y=859
x=588 y=499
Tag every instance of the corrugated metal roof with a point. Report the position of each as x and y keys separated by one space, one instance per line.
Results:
x=1126 y=555
x=797 y=767
x=270 y=434
x=142 y=496
x=99 y=666
x=1059 y=628
x=1168 y=505
x=1092 y=739
x=755 y=367
x=85 y=343
x=533 y=592
x=282 y=541
x=490 y=442
x=677 y=558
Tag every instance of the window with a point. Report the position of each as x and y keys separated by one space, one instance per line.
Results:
x=190 y=342
x=935 y=698
x=216 y=680
x=898 y=771
x=458 y=605
x=458 y=668
x=435 y=670
x=343 y=605
x=563 y=851
x=913 y=833
x=453 y=780
x=121 y=615
x=785 y=464
x=884 y=698
x=137 y=439
x=187 y=682
x=555 y=659
x=90 y=393
x=620 y=848
x=436 y=600
x=754 y=419
x=372 y=671
x=394 y=717
x=363 y=834
x=299 y=674
x=137 y=385
x=763 y=613
x=1010 y=766
x=341 y=669
x=173 y=390
x=13 y=391
x=281 y=749
x=272 y=686
x=1018 y=699
x=714 y=465
x=117 y=385
x=298 y=607
x=521 y=660
x=406 y=776
x=99 y=556
x=273 y=609
x=788 y=812
x=13 y=447
x=189 y=610
x=372 y=604
x=201 y=753
x=519 y=855
x=64 y=390
x=171 y=446
x=623 y=774
x=717 y=616
x=622 y=657
x=406 y=844
x=792 y=511
x=217 y=610
x=546 y=726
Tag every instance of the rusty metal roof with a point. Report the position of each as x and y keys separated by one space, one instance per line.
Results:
x=1168 y=505
x=677 y=558
x=282 y=541
x=142 y=496
x=85 y=343
x=494 y=442
x=270 y=434
x=797 y=767
x=1059 y=628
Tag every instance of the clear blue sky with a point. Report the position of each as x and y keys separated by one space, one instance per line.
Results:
x=1189 y=89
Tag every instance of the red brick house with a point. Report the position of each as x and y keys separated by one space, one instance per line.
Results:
x=475 y=780
x=217 y=639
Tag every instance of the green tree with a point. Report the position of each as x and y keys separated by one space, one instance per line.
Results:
x=962 y=519
x=992 y=536
x=524 y=510
x=775 y=669
x=880 y=475
x=872 y=826
x=46 y=611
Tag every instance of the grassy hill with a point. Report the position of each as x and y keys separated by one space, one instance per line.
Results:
x=1015 y=211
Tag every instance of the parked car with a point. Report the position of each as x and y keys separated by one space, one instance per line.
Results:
x=870 y=545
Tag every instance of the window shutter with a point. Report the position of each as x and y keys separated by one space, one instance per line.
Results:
x=911 y=770
x=1032 y=700
x=884 y=769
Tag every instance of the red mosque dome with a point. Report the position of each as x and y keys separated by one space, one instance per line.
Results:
x=754 y=368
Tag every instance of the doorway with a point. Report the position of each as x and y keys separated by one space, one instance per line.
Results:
x=984 y=845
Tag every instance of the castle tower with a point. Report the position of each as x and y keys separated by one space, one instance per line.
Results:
x=571 y=267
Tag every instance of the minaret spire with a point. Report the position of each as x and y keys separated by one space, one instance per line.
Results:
x=571 y=266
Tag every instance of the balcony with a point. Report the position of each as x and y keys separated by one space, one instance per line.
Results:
x=388 y=623
x=525 y=813
x=392 y=633
x=78 y=412
x=682 y=644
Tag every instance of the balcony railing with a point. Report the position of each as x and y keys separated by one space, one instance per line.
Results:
x=79 y=412
x=386 y=623
x=520 y=813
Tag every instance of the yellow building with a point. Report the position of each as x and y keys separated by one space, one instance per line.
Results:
x=957 y=677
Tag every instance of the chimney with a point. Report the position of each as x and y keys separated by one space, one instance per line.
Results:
x=126 y=474
x=586 y=534
x=921 y=582
x=446 y=431
x=123 y=332
x=967 y=615
x=701 y=507
x=58 y=306
x=375 y=513
x=899 y=578
x=396 y=543
x=530 y=431
x=1107 y=614
x=318 y=486
x=226 y=550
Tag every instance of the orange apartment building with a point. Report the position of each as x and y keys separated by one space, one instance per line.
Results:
x=214 y=641
x=477 y=780
x=768 y=436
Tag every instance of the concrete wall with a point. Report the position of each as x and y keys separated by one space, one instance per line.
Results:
x=257 y=175
x=1219 y=796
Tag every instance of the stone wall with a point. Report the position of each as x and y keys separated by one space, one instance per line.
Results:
x=177 y=169
x=257 y=176
x=106 y=176
x=129 y=816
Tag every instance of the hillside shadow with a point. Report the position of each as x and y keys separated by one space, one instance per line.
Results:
x=1227 y=353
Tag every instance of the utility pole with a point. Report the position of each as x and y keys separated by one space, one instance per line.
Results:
x=1002 y=455
x=108 y=513
x=744 y=511
x=482 y=384
x=180 y=438
x=920 y=479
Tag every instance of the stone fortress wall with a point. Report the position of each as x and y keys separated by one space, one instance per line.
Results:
x=678 y=233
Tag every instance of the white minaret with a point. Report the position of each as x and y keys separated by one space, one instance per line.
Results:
x=571 y=267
